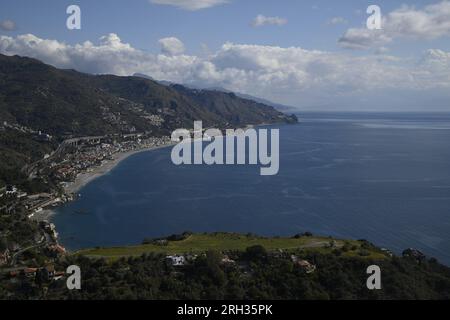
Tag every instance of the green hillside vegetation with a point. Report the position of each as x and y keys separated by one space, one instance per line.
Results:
x=66 y=103
x=18 y=149
x=200 y=243
x=233 y=271
x=61 y=102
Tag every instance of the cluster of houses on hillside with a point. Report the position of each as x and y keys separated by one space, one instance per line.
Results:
x=46 y=273
x=99 y=151
x=73 y=157
x=88 y=154
x=182 y=260
x=17 y=127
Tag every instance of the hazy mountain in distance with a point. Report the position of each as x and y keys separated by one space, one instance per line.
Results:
x=278 y=106
x=163 y=82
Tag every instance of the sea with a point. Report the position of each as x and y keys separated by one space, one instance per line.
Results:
x=383 y=177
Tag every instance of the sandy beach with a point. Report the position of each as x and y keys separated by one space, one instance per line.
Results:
x=84 y=178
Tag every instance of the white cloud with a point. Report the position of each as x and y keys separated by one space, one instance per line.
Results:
x=363 y=39
x=7 y=25
x=171 y=46
x=337 y=20
x=262 y=20
x=191 y=5
x=289 y=75
x=382 y=50
x=432 y=22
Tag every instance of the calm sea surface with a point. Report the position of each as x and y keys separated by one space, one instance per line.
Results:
x=381 y=177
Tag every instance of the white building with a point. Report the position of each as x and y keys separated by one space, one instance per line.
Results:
x=176 y=260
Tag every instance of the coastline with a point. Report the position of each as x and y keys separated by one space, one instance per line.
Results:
x=85 y=178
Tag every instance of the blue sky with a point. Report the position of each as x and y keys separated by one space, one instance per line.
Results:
x=315 y=38
x=142 y=23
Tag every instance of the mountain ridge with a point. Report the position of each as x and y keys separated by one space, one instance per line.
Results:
x=277 y=106
x=43 y=97
x=37 y=98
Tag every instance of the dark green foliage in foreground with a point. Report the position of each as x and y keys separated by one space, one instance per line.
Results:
x=17 y=230
x=255 y=275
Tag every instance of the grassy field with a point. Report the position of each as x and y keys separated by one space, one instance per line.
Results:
x=198 y=243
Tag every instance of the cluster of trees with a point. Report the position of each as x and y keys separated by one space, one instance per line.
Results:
x=255 y=274
x=17 y=230
x=18 y=149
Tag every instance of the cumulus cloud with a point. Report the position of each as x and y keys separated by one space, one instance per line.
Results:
x=7 y=25
x=363 y=39
x=191 y=5
x=262 y=20
x=291 y=75
x=337 y=20
x=171 y=46
x=431 y=22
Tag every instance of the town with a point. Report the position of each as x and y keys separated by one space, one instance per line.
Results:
x=62 y=168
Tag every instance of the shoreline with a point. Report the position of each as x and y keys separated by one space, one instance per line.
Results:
x=83 y=179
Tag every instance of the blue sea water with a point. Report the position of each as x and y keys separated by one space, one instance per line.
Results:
x=380 y=177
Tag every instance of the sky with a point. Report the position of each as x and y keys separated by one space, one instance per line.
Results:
x=314 y=55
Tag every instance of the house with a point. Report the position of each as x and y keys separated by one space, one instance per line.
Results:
x=161 y=242
x=30 y=272
x=4 y=257
x=388 y=252
x=43 y=136
x=176 y=260
x=10 y=190
x=191 y=257
x=303 y=264
x=227 y=260
x=306 y=266
x=414 y=253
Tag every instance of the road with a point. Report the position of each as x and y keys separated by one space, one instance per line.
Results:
x=18 y=253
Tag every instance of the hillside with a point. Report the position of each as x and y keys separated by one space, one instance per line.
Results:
x=35 y=97
x=66 y=102
x=233 y=266
x=277 y=106
x=198 y=243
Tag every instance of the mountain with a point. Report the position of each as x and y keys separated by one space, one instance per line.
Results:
x=61 y=102
x=65 y=103
x=277 y=106
x=163 y=82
